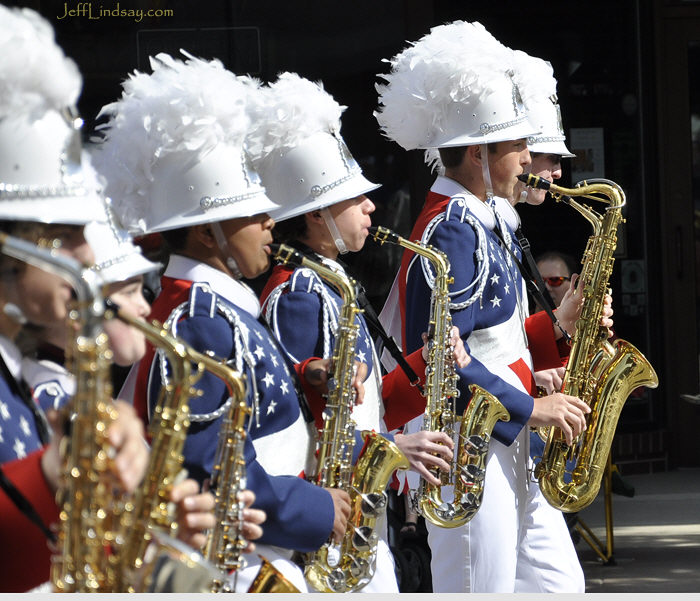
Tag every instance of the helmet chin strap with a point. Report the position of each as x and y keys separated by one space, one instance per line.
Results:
x=223 y=247
x=486 y=173
x=333 y=229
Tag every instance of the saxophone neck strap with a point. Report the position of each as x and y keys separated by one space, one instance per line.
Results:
x=23 y=504
x=20 y=388
x=390 y=345
x=532 y=277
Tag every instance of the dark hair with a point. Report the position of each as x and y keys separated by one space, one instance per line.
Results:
x=290 y=229
x=453 y=156
x=571 y=264
x=175 y=239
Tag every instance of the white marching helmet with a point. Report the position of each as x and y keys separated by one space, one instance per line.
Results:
x=297 y=148
x=454 y=87
x=174 y=149
x=117 y=258
x=539 y=88
x=43 y=175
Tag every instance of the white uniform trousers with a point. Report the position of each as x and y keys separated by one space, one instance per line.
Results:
x=279 y=558
x=516 y=542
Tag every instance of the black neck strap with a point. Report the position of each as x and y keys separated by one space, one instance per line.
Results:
x=23 y=504
x=532 y=277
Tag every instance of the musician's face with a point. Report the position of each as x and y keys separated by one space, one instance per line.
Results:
x=352 y=217
x=42 y=296
x=506 y=164
x=128 y=344
x=555 y=268
x=547 y=166
x=248 y=240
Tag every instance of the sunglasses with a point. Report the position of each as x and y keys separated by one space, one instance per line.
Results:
x=557 y=281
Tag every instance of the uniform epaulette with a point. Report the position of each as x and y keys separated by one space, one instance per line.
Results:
x=202 y=300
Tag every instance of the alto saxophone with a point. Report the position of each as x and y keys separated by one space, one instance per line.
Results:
x=225 y=542
x=478 y=420
x=599 y=373
x=149 y=549
x=349 y=565
x=88 y=540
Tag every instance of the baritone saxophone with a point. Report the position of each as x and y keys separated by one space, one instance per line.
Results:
x=599 y=373
x=349 y=565
x=474 y=426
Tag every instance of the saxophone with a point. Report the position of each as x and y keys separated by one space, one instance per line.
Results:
x=478 y=420
x=149 y=549
x=88 y=540
x=349 y=565
x=600 y=373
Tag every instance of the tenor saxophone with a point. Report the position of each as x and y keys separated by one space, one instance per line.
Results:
x=349 y=565
x=475 y=425
x=88 y=540
x=148 y=525
x=599 y=373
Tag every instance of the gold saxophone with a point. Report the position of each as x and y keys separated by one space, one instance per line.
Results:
x=225 y=542
x=479 y=418
x=349 y=565
x=88 y=540
x=149 y=549
x=599 y=373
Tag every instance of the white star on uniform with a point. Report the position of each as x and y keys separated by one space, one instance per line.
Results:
x=492 y=257
x=495 y=278
x=2 y=439
x=273 y=359
x=258 y=334
x=361 y=356
x=496 y=301
x=3 y=411
x=269 y=379
x=24 y=424
x=271 y=407
x=19 y=449
x=284 y=387
x=259 y=353
x=507 y=288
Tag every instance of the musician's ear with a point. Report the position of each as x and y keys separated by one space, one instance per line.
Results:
x=204 y=235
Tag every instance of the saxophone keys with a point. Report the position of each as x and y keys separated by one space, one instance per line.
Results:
x=336 y=581
x=373 y=504
x=364 y=538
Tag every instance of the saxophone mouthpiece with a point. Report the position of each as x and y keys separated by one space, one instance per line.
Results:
x=286 y=255
x=535 y=181
x=382 y=235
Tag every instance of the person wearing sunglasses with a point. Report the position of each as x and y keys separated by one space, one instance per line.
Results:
x=556 y=269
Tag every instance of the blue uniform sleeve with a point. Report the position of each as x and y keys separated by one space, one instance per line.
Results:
x=300 y=515
x=458 y=241
x=298 y=321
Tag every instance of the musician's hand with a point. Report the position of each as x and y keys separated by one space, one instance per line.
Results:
x=606 y=321
x=550 y=379
x=316 y=375
x=126 y=435
x=194 y=512
x=561 y=410
x=426 y=450
x=569 y=309
x=51 y=459
x=459 y=353
x=341 y=506
x=252 y=518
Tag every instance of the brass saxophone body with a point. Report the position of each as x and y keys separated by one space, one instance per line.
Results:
x=598 y=372
x=350 y=565
x=148 y=525
x=474 y=425
x=88 y=539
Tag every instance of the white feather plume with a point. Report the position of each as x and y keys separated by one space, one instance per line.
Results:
x=287 y=112
x=35 y=74
x=454 y=63
x=534 y=77
x=187 y=107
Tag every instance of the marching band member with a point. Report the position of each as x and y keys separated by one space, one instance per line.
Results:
x=307 y=168
x=474 y=115
x=174 y=163
x=46 y=193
